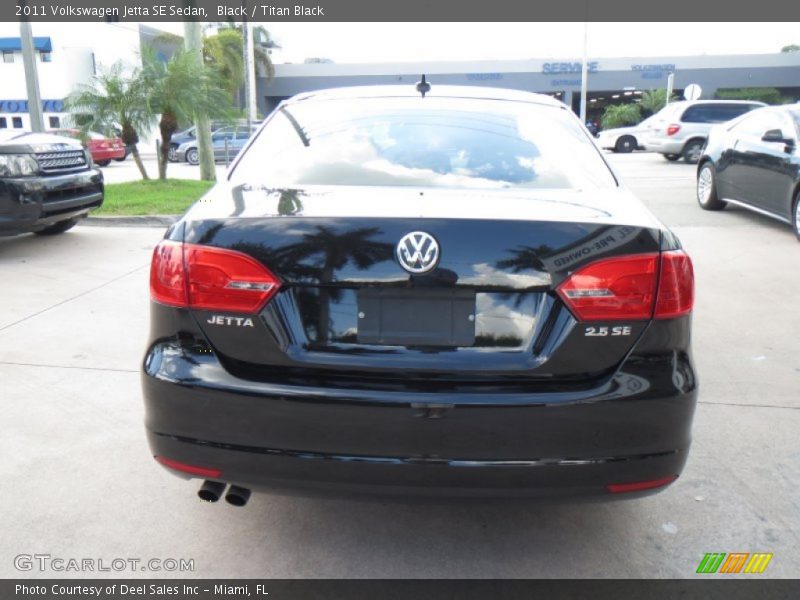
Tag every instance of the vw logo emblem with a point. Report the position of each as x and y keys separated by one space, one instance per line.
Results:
x=417 y=252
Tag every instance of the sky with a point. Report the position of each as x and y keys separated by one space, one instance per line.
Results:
x=409 y=42
x=403 y=42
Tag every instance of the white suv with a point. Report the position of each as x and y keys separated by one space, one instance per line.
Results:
x=680 y=129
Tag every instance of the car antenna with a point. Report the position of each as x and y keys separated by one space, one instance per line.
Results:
x=423 y=87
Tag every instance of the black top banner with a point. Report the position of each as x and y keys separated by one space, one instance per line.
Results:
x=405 y=10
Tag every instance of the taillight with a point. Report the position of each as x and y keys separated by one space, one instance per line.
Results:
x=673 y=129
x=676 y=286
x=612 y=289
x=167 y=275
x=203 y=277
x=630 y=288
x=227 y=280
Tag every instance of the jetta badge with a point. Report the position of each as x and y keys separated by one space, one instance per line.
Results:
x=417 y=252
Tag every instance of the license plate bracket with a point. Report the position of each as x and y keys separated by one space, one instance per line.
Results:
x=416 y=317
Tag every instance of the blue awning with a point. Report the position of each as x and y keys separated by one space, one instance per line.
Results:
x=42 y=44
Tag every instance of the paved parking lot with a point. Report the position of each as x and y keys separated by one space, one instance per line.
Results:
x=78 y=481
x=118 y=172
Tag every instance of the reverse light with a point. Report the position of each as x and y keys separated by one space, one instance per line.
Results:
x=634 y=287
x=673 y=129
x=204 y=472
x=208 y=278
x=638 y=486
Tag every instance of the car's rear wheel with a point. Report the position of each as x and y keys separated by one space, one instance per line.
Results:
x=172 y=154
x=796 y=215
x=672 y=157
x=57 y=228
x=192 y=156
x=625 y=144
x=102 y=163
x=707 y=189
x=692 y=151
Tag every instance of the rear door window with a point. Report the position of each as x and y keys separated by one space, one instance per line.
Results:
x=757 y=124
x=714 y=113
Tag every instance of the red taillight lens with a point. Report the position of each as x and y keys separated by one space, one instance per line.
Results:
x=204 y=472
x=676 y=286
x=612 y=289
x=625 y=288
x=638 y=486
x=167 y=275
x=673 y=129
x=207 y=278
x=227 y=280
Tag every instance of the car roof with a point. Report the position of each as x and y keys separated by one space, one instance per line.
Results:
x=436 y=91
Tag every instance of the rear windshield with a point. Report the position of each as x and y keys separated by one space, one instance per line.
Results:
x=431 y=142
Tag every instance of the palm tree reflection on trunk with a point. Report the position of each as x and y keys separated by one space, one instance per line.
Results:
x=317 y=257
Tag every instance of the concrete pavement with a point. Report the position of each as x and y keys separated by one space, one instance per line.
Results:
x=79 y=481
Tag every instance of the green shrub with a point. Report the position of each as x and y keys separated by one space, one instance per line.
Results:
x=620 y=115
x=768 y=95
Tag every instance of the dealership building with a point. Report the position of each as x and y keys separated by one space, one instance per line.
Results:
x=67 y=56
x=610 y=80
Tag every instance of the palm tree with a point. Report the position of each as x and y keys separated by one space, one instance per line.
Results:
x=654 y=100
x=178 y=90
x=112 y=99
x=224 y=51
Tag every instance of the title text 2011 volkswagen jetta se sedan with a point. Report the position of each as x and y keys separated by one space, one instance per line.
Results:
x=446 y=294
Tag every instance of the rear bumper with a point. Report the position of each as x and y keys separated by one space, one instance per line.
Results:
x=309 y=473
x=108 y=154
x=664 y=146
x=632 y=427
x=33 y=203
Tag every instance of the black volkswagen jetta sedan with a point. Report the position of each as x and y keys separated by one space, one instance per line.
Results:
x=447 y=294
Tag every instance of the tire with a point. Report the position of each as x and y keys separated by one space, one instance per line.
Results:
x=121 y=159
x=693 y=151
x=57 y=228
x=672 y=157
x=625 y=144
x=707 y=188
x=172 y=155
x=796 y=215
x=102 y=163
x=192 y=156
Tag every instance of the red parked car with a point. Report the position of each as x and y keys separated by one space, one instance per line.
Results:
x=103 y=149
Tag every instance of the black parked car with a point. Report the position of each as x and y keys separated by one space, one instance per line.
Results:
x=445 y=295
x=753 y=162
x=47 y=183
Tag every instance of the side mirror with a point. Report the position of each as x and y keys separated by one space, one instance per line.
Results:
x=776 y=136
